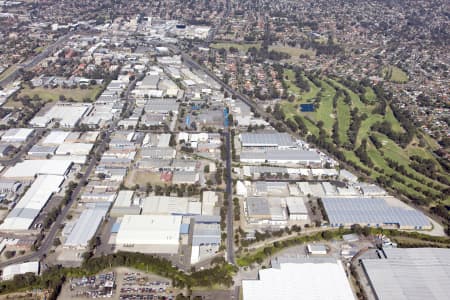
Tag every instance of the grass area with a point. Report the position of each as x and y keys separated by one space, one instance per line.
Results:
x=8 y=72
x=293 y=51
x=370 y=94
x=241 y=47
x=404 y=179
x=343 y=115
x=389 y=116
x=394 y=74
x=142 y=178
x=76 y=94
x=325 y=109
x=289 y=78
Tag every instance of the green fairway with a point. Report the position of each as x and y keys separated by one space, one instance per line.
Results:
x=394 y=74
x=325 y=110
x=343 y=115
x=391 y=162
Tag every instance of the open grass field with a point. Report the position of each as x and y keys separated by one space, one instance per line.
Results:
x=76 y=94
x=409 y=181
x=241 y=47
x=394 y=74
x=293 y=51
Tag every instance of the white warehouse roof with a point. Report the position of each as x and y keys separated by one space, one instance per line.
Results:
x=29 y=207
x=30 y=168
x=149 y=230
x=74 y=148
x=17 y=134
x=55 y=137
x=86 y=226
x=307 y=280
x=29 y=267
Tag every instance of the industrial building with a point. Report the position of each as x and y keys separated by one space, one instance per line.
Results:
x=39 y=151
x=22 y=216
x=275 y=140
x=410 y=274
x=55 y=137
x=17 y=135
x=10 y=271
x=262 y=210
x=66 y=114
x=282 y=156
x=86 y=226
x=297 y=209
x=210 y=201
x=149 y=233
x=206 y=240
x=74 y=149
x=28 y=169
x=301 y=279
x=124 y=205
x=294 y=156
x=165 y=205
x=374 y=212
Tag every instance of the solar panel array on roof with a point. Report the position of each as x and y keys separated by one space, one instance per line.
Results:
x=371 y=211
x=275 y=139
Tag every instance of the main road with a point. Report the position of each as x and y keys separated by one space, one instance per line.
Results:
x=34 y=61
x=229 y=193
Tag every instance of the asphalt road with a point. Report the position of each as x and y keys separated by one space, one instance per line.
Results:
x=34 y=61
x=230 y=210
x=24 y=149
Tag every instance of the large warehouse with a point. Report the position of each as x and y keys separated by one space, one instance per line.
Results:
x=165 y=205
x=66 y=114
x=86 y=226
x=32 y=202
x=30 y=168
x=374 y=212
x=307 y=279
x=149 y=233
x=275 y=140
x=410 y=274
x=10 y=271
x=262 y=210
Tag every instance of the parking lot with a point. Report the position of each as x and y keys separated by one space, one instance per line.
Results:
x=100 y=286
x=119 y=283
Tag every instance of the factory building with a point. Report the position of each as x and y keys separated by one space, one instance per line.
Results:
x=149 y=233
x=22 y=216
x=86 y=226
x=300 y=279
x=373 y=212
x=409 y=274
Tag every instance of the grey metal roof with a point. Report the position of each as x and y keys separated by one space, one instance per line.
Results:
x=410 y=274
x=267 y=169
x=266 y=139
x=258 y=206
x=25 y=213
x=370 y=211
x=206 y=234
x=293 y=154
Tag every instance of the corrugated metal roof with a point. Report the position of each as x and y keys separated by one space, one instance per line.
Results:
x=411 y=274
x=370 y=211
